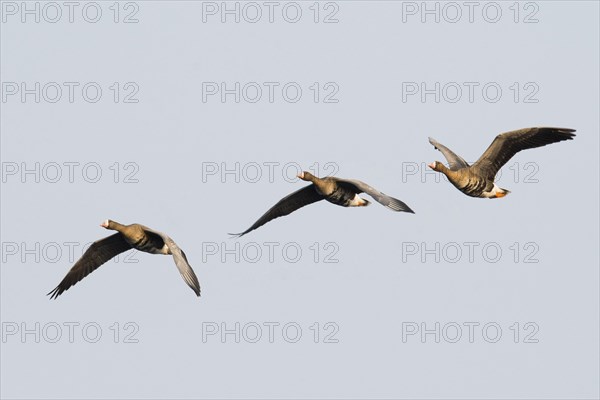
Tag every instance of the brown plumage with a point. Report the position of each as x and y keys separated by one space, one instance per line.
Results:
x=342 y=192
x=477 y=180
x=134 y=236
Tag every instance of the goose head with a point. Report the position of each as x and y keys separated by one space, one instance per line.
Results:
x=306 y=176
x=436 y=166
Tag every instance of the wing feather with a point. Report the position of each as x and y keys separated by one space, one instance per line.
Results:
x=97 y=254
x=507 y=144
x=181 y=261
x=292 y=202
x=455 y=161
x=382 y=198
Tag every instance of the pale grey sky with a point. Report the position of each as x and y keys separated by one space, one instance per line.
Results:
x=366 y=281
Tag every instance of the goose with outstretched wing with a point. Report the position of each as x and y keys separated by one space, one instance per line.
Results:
x=477 y=180
x=134 y=236
x=342 y=192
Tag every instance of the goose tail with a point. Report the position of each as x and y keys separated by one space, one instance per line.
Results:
x=502 y=192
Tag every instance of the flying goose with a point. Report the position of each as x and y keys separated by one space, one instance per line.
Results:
x=342 y=192
x=134 y=236
x=477 y=180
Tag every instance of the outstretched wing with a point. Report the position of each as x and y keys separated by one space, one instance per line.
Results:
x=506 y=145
x=388 y=201
x=300 y=198
x=181 y=261
x=455 y=161
x=98 y=253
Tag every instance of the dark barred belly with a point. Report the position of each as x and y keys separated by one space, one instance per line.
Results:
x=146 y=245
x=341 y=197
x=474 y=187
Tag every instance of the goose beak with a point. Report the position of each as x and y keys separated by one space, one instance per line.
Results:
x=104 y=224
x=300 y=175
x=431 y=165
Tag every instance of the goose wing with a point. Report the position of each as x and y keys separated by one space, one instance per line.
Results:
x=181 y=261
x=455 y=161
x=382 y=198
x=97 y=254
x=298 y=199
x=507 y=144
